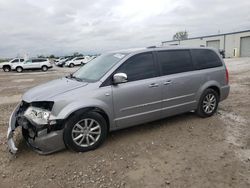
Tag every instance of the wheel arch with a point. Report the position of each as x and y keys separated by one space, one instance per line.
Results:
x=212 y=85
x=215 y=88
x=6 y=66
x=82 y=110
x=18 y=66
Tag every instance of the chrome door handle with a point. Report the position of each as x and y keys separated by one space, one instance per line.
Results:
x=167 y=82
x=153 y=85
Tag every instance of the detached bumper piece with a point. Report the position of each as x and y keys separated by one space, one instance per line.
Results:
x=43 y=139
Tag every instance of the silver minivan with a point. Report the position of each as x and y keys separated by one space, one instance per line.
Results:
x=117 y=90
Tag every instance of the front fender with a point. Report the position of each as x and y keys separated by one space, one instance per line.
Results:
x=77 y=105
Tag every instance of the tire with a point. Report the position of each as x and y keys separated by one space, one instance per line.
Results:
x=76 y=134
x=208 y=103
x=44 y=68
x=71 y=65
x=6 y=68
x=19 y=69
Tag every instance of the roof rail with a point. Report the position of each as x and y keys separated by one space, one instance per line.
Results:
x=152 y=47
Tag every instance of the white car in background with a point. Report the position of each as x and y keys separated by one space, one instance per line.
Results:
x=60 y=62
x=6 y=66
x=77 y=61
x=31 y=64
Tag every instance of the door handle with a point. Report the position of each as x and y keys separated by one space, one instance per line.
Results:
x=153 y=85
x=167 y=82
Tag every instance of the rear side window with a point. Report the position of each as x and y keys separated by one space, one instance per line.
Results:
x=139 y=67
x=38 y=60
x=21 y=60
x=204 y=59
x=175 y=61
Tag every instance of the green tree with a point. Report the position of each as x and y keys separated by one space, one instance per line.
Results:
x=51 y=56
x=181 y=35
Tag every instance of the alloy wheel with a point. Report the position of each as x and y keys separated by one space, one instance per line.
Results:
x=86 y=132
x=209 y=103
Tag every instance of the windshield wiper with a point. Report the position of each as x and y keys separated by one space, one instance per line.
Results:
x=71 y=76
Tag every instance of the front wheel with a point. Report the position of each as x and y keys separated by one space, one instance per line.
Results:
x=19 y=69
x=71 y=65
x=44 y=68
x=6 y=69
x=208 y=103
x=84 y=132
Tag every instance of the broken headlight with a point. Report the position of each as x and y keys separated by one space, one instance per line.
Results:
x=37 y=115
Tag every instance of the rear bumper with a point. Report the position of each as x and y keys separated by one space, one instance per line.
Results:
x=224 y=92
x=44 y=141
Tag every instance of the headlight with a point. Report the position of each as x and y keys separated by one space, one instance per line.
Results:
x=37 y=115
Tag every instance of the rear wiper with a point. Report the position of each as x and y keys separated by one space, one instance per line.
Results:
x=71 y=76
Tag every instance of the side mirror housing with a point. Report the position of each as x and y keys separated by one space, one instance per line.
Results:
x=120 y=78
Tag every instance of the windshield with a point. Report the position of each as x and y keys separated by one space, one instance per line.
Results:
x=98 y=67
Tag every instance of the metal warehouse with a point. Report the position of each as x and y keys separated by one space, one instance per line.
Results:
x=235 y=44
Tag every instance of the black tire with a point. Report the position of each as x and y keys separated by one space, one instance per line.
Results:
x=19 y=69
x=71 y=65
x=44 y=68
x=6 y=68
x=71 y=124
x=202 y=106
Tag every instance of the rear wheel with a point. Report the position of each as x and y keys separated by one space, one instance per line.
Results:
x=44 y=68
x=6 y=68
x=19 y=69
x=84 y=132
x=208 y=103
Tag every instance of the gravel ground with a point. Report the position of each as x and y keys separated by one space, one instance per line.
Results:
x=181 y=151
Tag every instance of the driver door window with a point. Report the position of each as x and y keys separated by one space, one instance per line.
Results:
x=139 y=67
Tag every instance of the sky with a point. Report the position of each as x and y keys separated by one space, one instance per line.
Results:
x=62 y=27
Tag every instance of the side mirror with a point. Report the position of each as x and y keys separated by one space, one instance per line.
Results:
x=120 y=78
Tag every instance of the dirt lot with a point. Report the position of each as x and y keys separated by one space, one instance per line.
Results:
x=182 y=151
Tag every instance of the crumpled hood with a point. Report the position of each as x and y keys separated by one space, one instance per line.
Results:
x=50 y=89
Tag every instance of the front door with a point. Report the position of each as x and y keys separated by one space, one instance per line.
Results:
x=139 y=99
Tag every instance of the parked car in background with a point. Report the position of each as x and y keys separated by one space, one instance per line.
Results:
x=58 y=59
x=118 y=90
x=37 y=63
x=6 y=66
x=76 y=61
x=62 y=61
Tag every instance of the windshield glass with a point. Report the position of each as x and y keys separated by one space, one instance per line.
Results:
x=98 y=67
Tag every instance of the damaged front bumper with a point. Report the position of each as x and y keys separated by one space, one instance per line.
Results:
x=44 y=140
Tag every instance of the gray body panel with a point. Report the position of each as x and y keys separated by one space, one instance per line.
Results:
x=126 y=104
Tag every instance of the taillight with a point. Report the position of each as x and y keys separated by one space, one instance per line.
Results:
x=227 y=76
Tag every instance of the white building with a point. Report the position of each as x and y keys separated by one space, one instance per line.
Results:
x=235 y=44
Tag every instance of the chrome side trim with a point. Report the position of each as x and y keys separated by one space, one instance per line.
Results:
x=139 y=114
x=156 y=102
x=148 y=112
x=179 y=97
x=182 y=104
x=140 y=105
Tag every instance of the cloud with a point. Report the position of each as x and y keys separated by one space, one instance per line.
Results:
x=62 y=27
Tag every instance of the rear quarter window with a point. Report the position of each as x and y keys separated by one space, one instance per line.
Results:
x=38 y=60
x=204 y=59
